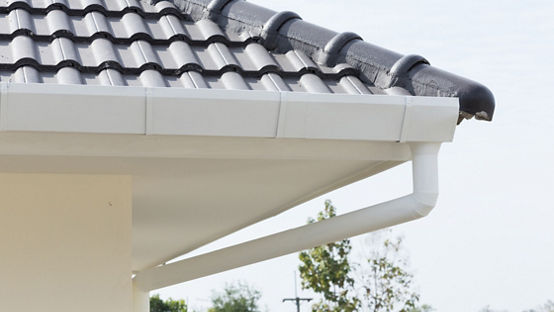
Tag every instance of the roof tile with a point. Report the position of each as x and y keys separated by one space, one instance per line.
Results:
x=128 y=42
x=179 y=44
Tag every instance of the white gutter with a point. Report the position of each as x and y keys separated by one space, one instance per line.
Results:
x=404 y=209
x=229 y=113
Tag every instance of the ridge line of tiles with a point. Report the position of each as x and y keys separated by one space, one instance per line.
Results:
x=128 y=40
x=20 y=5
x=176 y=72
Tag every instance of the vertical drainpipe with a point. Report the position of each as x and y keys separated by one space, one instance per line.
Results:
x=141 y=299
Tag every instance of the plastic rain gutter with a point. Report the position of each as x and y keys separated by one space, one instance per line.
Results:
x=228 y=113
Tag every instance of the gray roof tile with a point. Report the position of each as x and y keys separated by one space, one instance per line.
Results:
x=199 y=44
x=133 y=43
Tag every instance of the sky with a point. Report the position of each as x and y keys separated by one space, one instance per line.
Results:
x=490 y=240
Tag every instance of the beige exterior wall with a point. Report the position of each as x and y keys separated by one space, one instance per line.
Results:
x=65 y=243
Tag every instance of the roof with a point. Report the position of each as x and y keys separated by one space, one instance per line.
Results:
x=194 y=99
x=209 y=44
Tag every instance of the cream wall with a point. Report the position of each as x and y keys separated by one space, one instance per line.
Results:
x=65 y=243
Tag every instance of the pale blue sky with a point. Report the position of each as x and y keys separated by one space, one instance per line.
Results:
x=490 y=241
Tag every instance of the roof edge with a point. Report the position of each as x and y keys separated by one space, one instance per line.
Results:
x=378 y=66
x=36 y=107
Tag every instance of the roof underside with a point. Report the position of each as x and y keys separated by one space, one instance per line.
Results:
x=208 y=44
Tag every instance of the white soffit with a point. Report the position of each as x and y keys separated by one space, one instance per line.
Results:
x=206 y=163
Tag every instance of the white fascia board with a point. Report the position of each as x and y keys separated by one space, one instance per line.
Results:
x=429 y=119
x=210 y=112
x=71 y=108
x=350 y=117
x=228 y=113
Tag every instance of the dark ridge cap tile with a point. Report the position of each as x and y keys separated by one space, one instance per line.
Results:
x=270 y=30
x=475 y=98
x=332 y=49
x=376 y=64
x=216 y=6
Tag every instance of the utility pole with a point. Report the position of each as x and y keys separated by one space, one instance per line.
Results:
x=297 y=300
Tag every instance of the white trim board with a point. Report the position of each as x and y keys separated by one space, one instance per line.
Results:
x=227 y=113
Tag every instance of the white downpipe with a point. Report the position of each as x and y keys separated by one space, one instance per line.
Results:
x=141 y=299
x=406 y=208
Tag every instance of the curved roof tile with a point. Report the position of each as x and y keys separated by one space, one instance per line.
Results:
x=229 y=44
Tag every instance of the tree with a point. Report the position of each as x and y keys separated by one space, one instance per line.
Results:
x=169 y=305
x=379 y=283
x=385 y=280
x=325 y=269
x=237 y=297
x=423 y=308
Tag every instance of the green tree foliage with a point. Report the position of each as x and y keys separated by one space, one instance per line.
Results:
x=386 y=283
x=169 y=305
x=237 y=297
x=325 y=270
x=423 y=308
x=380 y=283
